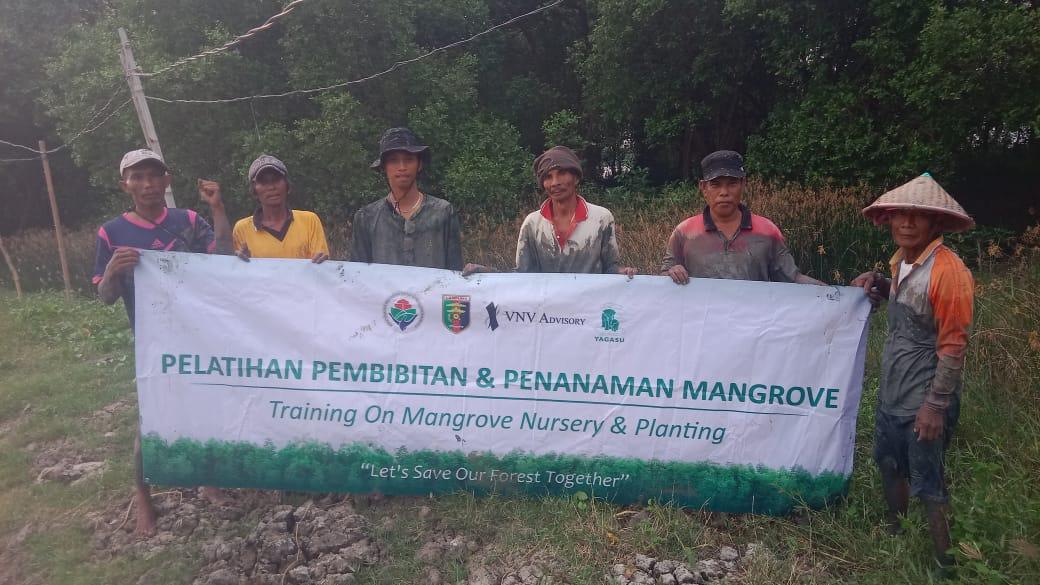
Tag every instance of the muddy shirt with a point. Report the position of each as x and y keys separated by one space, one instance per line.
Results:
x=177 y=230
x=431 y=238
x=589 y=247
x=756 y=252
x=929 y=315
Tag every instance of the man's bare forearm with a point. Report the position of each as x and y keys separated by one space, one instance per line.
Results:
x=222 y=231
x=109 y=290
x=803 y=279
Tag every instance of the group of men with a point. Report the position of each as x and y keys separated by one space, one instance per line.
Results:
x=929 y=288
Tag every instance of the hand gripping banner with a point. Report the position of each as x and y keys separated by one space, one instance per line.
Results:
x=282 y=374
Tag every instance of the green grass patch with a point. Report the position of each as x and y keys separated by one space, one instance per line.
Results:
x=60 y=362
x=65 y=556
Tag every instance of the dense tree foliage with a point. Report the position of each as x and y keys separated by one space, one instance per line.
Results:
x=838 y=92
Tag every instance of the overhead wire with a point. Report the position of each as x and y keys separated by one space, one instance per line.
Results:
x=342 y=84
x=270 y=22
x=87 y=128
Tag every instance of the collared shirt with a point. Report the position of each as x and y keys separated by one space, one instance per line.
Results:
x=431 y=238
x=929 y=317
x=588 y=247
x=302 y=236
x=756 y=252
x=581 y=213
x=178 y=230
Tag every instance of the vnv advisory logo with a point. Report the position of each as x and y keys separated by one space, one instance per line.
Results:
x=492 y=318
x=455 y=312
x=402 y=310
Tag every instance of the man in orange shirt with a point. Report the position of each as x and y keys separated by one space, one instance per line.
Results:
x=930 y=294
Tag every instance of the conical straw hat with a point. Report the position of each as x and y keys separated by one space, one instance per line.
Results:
x=921 y=194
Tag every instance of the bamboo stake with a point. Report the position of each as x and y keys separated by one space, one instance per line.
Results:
x=57 y=221
x=10 y=265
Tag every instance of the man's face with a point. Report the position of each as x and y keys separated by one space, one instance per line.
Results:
x=723 y=195
x=401 y=168
x=271 y=188
x=560 y=184
x=913 y=230
x=146 y=183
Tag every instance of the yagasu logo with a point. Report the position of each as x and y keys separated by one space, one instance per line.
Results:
x=403 y=312
x=610 y=326
x=498 y=316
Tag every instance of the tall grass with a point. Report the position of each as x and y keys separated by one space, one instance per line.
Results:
x=35 y=255
x=824 y=229
x=828 y=237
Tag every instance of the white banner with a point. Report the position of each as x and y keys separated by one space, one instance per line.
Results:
x=351 y=377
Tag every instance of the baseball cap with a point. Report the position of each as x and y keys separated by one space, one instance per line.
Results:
x=266 y=161
x=136 y=157
x=722 y=163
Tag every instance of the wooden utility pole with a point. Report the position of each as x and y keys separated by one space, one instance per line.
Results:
x=11 y=266
x=144 y=115
x=57 y=221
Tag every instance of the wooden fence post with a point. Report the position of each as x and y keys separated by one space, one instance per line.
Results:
x=14 y=271
x=57 y=221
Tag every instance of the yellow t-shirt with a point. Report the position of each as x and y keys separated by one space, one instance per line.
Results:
x=303 y=238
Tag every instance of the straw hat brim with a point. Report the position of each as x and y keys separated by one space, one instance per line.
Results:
x=881 y=214
x=925 y=195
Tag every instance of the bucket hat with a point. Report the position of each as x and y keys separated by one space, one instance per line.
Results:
x=400 y=139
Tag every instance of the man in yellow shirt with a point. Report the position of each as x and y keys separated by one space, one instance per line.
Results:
x=275 y=230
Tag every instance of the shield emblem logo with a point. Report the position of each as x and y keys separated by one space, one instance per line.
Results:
x=455 y=312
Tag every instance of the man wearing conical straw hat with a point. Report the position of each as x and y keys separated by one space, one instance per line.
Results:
x=930 y=296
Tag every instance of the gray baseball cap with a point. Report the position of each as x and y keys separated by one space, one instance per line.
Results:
x=136 y=157
x=266 y=161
